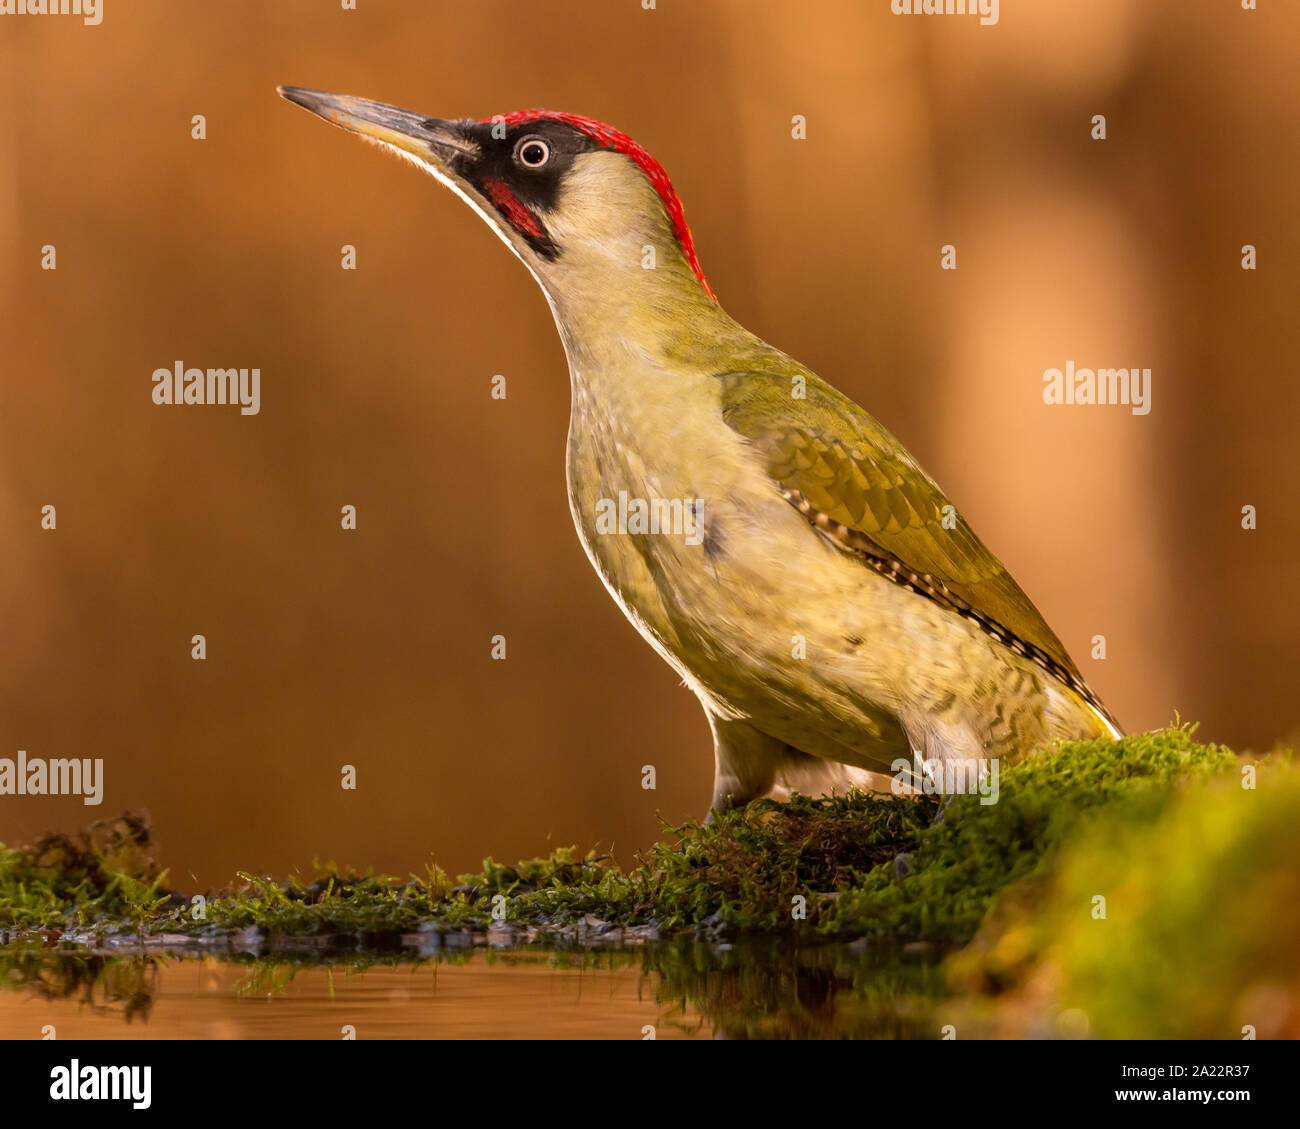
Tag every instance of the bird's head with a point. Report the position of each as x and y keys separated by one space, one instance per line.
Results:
x=585 y=207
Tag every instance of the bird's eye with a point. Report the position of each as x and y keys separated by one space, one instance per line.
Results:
x=533 y=153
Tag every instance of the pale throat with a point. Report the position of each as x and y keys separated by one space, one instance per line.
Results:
x=621 y=272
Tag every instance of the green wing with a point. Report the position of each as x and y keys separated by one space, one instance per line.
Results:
x=842 y=469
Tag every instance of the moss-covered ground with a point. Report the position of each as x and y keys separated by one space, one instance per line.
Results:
x=1108 y=879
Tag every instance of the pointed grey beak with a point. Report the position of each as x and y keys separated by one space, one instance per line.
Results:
x=426 y=138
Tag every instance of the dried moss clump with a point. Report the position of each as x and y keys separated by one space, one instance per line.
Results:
x=105 y=873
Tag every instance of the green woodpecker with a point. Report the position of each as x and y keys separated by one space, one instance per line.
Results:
x=780 y=549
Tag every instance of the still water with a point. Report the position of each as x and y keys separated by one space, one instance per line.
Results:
x=678 y=990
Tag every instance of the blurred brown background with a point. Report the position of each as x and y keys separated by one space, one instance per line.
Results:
x=372 y=648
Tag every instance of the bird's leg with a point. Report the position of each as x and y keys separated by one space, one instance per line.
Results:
x=745 y=761
x=750 y=764
x=952 y=755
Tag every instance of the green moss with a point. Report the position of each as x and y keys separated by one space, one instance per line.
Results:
x=863 y=865
x=1196 y=938
x=962 y=864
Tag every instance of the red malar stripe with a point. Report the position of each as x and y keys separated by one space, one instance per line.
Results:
x=519 y=215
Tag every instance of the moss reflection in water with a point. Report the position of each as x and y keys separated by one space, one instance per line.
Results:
x=124 y=985
x=750 y=990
